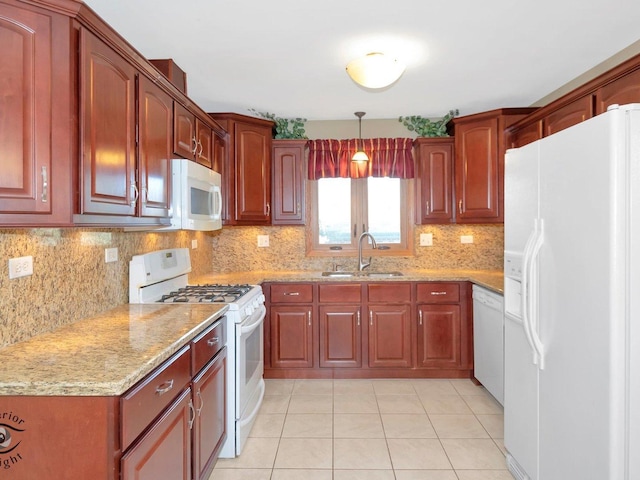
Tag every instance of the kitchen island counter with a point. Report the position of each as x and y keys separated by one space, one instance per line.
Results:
x=103 y=355
x=490 y=279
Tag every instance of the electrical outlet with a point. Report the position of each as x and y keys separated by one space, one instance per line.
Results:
x=110 y=255
x=263 y=240
x=426 y=239
x=194 y=243
x=466 y=238
x=20 y=267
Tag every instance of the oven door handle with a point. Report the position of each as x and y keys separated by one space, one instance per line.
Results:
x=256 y=320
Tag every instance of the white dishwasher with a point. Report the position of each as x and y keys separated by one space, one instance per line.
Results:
x=488 y=340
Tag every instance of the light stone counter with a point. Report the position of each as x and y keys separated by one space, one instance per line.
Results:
x=490 y=279
x=103 y=355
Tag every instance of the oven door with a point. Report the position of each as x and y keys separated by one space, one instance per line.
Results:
x=250 y=384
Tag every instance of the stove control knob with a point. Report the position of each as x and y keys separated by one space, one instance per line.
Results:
x=249 y=310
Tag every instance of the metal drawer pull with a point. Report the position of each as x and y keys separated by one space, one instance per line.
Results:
x=212 y=341
x=201 y=403
x=164 y=387
x=438 y=293
x=192 y=414
x=292 y=294
x=420 y=316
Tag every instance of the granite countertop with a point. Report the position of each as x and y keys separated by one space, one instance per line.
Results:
x=491 y=279
x=103 y=355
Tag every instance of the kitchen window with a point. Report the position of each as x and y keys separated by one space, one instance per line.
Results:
x=342 y=208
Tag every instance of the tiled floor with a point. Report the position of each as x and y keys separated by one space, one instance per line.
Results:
x=372 y=430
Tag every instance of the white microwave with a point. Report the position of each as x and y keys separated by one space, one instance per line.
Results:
x=196 y=197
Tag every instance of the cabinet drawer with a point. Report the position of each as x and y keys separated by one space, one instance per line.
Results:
x=292 y=293
x=437 y=292
x=207 y=344
x=343 y=293
x=145 y=400
x=389 y=292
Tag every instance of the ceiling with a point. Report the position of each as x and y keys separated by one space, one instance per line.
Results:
x=288 y=57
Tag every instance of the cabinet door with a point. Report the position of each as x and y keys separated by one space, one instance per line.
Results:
x=108 y=130
x=219 y=152
x=291 y=336
x=389 y=336
x=623 y=90
x=184 y=132
x=288 y=182
x=340 y=336
x=435 y=181
x=25 y=111
x=155 y=119
x=439 y=336
x=209 y=427
x=527 y=134
x=252 y=174
x=575 y=112
x=477 y=171
x=205 y=144
x=165 y=450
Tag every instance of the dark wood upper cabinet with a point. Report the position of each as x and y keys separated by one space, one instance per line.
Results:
x=622 y=90
x=527 y=134
x=288 y=182
x=571 y=114
x=184 y=132
x=204 y=137
x=434 y=181
x=35 y=112
x=219 y=151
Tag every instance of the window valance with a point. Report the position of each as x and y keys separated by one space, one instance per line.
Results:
x=388 y=157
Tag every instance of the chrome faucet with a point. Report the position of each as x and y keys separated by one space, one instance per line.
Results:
x=361 y=263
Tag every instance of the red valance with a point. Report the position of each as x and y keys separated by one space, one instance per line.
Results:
x=388 y=157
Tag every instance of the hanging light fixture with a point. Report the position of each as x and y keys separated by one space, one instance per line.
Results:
x=359 y=156
x=375 y=70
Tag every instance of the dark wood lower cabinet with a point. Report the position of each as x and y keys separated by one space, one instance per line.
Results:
x=390 y=336
x=292 y=336
x=439 y=336
x=340 y=336
x=165 y=450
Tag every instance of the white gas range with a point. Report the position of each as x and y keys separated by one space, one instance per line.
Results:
x=162 y=276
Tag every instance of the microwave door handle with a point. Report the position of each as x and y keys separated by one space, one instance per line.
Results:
x=217 y=202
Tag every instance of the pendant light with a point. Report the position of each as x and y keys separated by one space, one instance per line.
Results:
x=359 y=156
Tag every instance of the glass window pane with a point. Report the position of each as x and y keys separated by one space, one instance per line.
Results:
x=384 y=209
x=334 y=211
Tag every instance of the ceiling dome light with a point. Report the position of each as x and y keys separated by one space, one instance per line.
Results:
x=375 y=70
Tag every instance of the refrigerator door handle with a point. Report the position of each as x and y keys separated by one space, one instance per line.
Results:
x=533 y=313
x=524 y=298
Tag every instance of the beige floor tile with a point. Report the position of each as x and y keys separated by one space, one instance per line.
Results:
x=311 y=404
x=484 y=475
x=313 y=387
x=483 y=404
x=357 y=425
x=268 y=425
x=500 y=444
x=257 y=453
x=433 y=386
x=474 y=454
x=458 y=426
x=425 y=475
x=298 y=474
x=278 y=386
x=342 y=387
x=363 y=475
x=352 y=403
x=464 y=386
x=417 y=454
x=308 y=425
x=304 y=453
x=399 y=404
x=360 y=454
x=240 y=474
x=393 y=387
x=275 y=404
x=444 y=404
x=493 y=424
x=402 y=425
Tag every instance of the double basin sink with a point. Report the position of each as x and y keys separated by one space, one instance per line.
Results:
x=363 y=273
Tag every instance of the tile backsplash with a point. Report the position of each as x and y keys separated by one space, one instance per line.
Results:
x=71 y=280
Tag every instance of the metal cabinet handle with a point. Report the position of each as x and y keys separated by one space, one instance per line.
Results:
x=460 y=207
x=291 y=294
x=371 y=317
x=136 y=196
x=309 y=316
x=297 y=208
x=358 y=317
x=201 y=403
x=426 y=208
x=195 y=145
x=45 y=185
x=420 y=317
x=192 y=414
x=201 y=148
x=268 y=209
x=164 y=387
x=212 y=341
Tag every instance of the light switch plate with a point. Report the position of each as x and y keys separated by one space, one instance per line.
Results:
x=110 y=255
x=466 y=238
x=20 y=267
x=426 y=239
x=263 y=240
x=194 y=243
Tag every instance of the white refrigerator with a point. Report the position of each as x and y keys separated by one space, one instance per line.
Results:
x=572 y=302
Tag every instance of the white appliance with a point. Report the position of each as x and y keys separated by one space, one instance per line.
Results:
x=196 y=198
x=572 y=293
x=162 y=276
x=488 y=341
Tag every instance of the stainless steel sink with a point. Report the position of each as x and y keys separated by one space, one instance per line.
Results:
x=362 y=274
